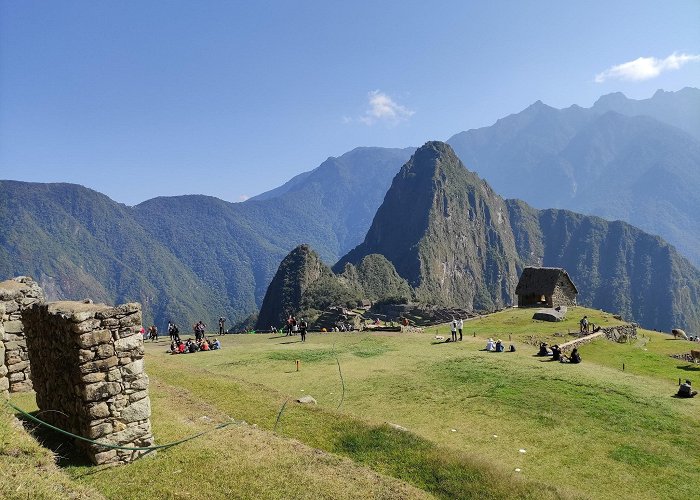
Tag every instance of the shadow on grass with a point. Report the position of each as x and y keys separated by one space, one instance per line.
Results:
x=63 y=447
x=277 y=337
x=689 y=368
x=290 y=342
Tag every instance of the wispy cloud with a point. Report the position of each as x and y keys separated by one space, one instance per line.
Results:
x=645 y=68
x=243 y=197
x=382 y=108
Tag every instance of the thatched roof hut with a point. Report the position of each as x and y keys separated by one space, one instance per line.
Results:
x=550 y=286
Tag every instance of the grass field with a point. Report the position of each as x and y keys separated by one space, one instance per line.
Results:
x=479 y=424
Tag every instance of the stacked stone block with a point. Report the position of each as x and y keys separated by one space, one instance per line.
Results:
x=16 y=296
x=89 y=376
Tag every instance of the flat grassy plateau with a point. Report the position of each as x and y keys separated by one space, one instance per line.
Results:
x=478 y=424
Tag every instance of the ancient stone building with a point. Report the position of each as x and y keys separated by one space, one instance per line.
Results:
x=16 y=296
x=545 y=286
x=88 y=374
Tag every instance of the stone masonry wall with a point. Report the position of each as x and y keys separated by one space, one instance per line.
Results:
x=564 y=295
x=16 y=296
x=88 y=373
x=618 y=333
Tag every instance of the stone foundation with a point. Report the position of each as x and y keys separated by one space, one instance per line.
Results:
x=87 y=368
x=16 y=296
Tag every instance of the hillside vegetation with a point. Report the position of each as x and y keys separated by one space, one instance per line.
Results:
x=459 y=244
x=591 y=430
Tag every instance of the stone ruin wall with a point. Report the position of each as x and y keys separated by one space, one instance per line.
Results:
x=618 y=333
x=89 y=376
x=16 y=296
x=564 y=295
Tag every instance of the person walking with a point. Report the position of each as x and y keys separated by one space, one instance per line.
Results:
x=453 y=329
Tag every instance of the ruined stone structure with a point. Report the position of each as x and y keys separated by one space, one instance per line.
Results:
x=620 y=333
x=16 y=296
x=87 y=369
x=545 y=286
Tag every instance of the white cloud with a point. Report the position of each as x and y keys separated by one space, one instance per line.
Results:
x=383 y=108
x=243 y=197
x=645 y=68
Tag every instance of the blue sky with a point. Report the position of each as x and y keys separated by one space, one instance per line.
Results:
x=138 y=99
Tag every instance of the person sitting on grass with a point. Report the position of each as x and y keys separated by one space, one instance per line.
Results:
x=556 y=353
x=685 y=390
x=181 y=347
x=214 y=345
x=204 y=345
x=543 y=349
x=190 y=346
x=575 y=357
x=499 y=346
x=490 y=345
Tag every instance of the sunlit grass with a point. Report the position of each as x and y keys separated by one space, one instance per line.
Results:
x=593 y=429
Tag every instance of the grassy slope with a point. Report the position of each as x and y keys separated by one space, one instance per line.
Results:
x=590 y=429
x=27 y=470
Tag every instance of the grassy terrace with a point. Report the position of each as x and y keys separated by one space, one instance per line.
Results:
x=589 y=430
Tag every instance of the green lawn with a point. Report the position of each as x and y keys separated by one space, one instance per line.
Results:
x=589 y=430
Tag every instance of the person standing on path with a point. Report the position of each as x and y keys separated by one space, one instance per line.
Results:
x=302 y=328
x=460 y=326
x=453 y=328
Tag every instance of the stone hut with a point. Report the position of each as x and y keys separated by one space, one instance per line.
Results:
x=88 y=374
x=16 y=296
x=545 y=287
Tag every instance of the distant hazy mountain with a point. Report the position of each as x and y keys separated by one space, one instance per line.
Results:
x=343 y=193
x=680 y=109
x=600 y=161
x=459 y=244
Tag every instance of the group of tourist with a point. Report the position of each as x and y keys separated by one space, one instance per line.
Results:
x=153 y=333
x=557 y=354
x=173 y=332
x=456 y=326
x=199 y=328
x=191 y=346
x=294 y=327
x=497 y=346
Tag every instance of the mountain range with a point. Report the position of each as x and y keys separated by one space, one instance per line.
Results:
x=621 y=159
x=196 y=257
x=459 y=244
x=186 y=257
